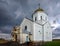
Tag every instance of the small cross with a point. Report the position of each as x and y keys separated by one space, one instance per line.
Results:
x=39 y=5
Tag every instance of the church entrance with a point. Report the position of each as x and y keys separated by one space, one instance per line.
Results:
x=15 y=37
x=27 y=39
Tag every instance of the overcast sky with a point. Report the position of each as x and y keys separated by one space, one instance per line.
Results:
x=13 y=11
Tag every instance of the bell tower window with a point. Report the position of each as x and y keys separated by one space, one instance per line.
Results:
x=41 y=17
x=35 y=18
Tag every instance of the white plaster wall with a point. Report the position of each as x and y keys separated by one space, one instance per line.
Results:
x=47 y=32
x=23 y=38
x=29 y=25
x=34 y=28
x=47 y=36
x=36 y=33
x=39 y=14
x=35 y=15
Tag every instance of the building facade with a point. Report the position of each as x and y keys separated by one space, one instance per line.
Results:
x=36 y=29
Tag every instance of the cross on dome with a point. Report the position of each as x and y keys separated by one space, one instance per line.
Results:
x=39 y=5
x=39 y=9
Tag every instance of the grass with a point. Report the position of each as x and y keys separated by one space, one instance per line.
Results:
x=5 y=43
x=53 y=43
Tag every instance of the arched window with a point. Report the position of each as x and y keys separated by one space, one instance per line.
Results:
x=25 y=27
x=27 y=39
x=41 y=17
x=35 y=18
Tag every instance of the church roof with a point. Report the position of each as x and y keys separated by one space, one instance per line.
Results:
x=39 y=9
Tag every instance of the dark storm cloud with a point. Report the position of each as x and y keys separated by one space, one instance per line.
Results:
x=13 y=11
x=7 y=16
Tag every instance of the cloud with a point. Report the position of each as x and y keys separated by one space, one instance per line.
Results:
x=0 y=31
x=56 y=30
x=19 y=13
x=55 y=25
x=6 y=29
x=9 y=11
x=58 y=4
x=13 y=11
x=6 y=16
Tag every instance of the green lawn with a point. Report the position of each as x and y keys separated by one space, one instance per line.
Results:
x=3 y=41
x=53 y=43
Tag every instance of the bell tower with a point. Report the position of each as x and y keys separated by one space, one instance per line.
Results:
x=16 y=34
x=39 y=15
x=36 y=17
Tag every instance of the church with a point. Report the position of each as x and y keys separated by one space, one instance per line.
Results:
x=36 y=29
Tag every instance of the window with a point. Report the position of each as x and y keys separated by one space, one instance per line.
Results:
x=25 y=27
x=39 y=32
x=27 y=39
x=41 y=17
x=35 y=18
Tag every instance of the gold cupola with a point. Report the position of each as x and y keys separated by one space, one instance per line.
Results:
x=39 y=9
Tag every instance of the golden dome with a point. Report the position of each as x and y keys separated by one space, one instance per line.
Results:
x=39 y=9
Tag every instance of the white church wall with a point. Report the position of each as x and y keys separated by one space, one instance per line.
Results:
x=44 y=16
x=39 y=14
x=23 y=38
x=35 y=16
x=29 y=25
x=37 y=32
x=37 y=29
x=47 y=32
